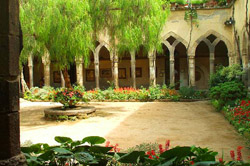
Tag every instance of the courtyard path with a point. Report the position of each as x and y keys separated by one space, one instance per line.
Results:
x=133 y=123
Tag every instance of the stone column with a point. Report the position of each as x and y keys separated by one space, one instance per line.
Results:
x=172 y=70
x=152 y=68
x=245 y=67
x=191 y=71
x=46 y=65
x=133 y=69
x=116 y=74
x=31 y=76
x=211 y=62
x=230 y=59
x=10 y=47
x=248 y=75
x=79 y=71
x=97 y=70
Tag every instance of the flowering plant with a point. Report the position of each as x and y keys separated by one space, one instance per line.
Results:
x=239 y=115
x=68 y=97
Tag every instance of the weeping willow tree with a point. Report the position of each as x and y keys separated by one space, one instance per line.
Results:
x=61 y=29
x=130 y=24
x=67 y=29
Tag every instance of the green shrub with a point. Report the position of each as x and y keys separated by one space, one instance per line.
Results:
x=228 y=91
x=35 y=93
x=187 y=92
x=226 y=74
x=155 y=92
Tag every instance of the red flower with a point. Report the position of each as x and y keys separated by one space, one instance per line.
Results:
x=232 y=154
x=161 y=150
x=239 y=155
x=153 y=152
x=243 y=102
x=167 y=145
x=220 y=160
x=191 y=162
x=150 y=157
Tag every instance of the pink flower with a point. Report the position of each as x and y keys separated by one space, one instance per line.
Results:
x=107 y=144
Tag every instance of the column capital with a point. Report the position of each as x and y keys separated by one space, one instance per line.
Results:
x=79 y=60
x=191 y=57
x=46 y=60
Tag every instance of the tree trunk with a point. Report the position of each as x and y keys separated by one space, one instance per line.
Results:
x=115 y=70
x=24 y=85
x=62 y=80
x=66 y=78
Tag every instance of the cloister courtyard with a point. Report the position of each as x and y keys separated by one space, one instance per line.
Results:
x=133 y=123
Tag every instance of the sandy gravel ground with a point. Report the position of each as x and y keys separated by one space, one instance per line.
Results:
x=133 y=123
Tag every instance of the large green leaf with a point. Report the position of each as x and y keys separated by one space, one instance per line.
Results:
x=100 y=149
x=207 y=157
x=93 y=140
x=62 y=151
x=168 y=163
x=131 y=157
x=83 y=157
x=36 y=148
x=76 y=143
x=63 y=139
x=179 y=152
x=47 y=155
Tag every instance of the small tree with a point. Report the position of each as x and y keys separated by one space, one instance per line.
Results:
x=67 y=29
x=61 y=28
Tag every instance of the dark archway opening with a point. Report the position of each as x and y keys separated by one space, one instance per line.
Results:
x=162 y=67
x=221 y=55
x=181 y=66
x=202 y=66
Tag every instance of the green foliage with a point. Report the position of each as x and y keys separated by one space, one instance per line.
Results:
x=71 y=152
x=226 y=86
x=182 y=2
x=68 y=29
x=226 y=74
x=44 y=94
x=195 y=2
x=191 y=15
x=228 y=92
x=222 y=2
x=122 y=94
x=61 y=28
x=187 y=92
x=145 y=147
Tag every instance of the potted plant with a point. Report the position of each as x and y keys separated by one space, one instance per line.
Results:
x=68 y=97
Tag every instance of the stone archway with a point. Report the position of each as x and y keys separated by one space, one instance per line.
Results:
x=177 y=56
x=217 y=50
